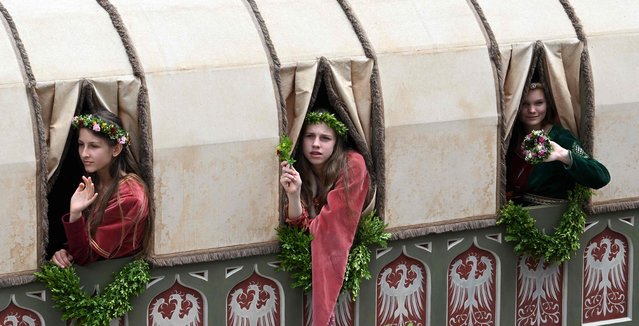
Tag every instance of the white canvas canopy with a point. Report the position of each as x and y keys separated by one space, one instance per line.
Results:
x=208 y=86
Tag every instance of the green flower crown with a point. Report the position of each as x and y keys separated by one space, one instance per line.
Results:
x=97 y=124
x=329 y=119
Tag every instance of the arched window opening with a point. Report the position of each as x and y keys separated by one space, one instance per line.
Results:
x=543 y=94
x=344 y=86
x=61 y=101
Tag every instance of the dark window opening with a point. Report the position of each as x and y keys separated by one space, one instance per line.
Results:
x=66 y=179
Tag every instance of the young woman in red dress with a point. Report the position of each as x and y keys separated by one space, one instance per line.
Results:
x=109 y=211
x=326 y=191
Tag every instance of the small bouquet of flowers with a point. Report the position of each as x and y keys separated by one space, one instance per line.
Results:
x=285 y=150
x=536 y=147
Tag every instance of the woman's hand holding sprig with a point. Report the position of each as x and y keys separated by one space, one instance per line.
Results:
x=84 y=196
x=290 y=180
x=292 y=184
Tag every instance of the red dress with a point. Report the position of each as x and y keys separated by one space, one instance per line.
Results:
x=122 y=229
x=333 y=230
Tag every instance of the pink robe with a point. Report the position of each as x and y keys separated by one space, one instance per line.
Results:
x=333 y=230
x=122 y=229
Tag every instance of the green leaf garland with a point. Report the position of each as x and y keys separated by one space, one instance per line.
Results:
x=295 y=256
x=99 y=310
x=315 y=117
x=558 y=247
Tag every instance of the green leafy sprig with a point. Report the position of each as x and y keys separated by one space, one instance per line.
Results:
x=558 y=247
x=99 y=310
x=285 y=150
x=295 y=256
x=370 y=232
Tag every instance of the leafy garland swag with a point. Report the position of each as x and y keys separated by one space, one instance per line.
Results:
x=295 y=256
x=113 y=302
x=528 y=240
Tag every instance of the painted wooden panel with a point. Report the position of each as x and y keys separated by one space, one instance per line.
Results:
x=401 y=292
x=606 y=284
x=472 y=279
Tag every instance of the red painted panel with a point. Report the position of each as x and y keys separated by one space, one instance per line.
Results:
x=401 y=293
x=539 y=292
x=605 y=277
x=16 y=316
x=178 y=305
x=471 y=288
x=254 y=301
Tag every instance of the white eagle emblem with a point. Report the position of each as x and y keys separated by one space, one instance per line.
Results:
x=604 y=278
x=538 y=294
x=15 y=320
x=260 y=310
x=405 y=299
x=190 y=318
x=471 y=297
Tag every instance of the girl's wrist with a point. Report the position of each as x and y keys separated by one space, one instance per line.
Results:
x=565 y=157
x=74 y=216
x=293 y=197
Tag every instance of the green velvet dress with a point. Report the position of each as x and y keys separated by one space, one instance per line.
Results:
x=554 y=179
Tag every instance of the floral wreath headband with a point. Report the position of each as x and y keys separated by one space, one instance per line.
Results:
x=98 y=125
x=329 y=119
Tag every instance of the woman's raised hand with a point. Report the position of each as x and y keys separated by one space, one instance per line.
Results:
x=84 y=196
x=290 y=179
x=558 y=154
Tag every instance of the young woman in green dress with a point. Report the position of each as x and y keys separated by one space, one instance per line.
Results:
x=566 y=165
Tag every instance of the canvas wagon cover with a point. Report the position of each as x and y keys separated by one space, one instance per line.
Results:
x=209 y=87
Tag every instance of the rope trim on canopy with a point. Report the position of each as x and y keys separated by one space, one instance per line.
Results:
x=588 y=113
x=495 y=57
x=414 y=231
x=275 y=66
x=144 y=120
x=16 y=279
x=325 y=76
x=145 y=161
x=41 y=149
x=614 y=206
x=377 y=111
x=203 y=256
x=274 y=63
x=588 y=108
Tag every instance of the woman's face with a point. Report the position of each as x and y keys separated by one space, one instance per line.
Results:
x=95 y=152
x=533 y=110
x=318 y=144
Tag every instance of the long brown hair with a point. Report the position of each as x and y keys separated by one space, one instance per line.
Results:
x=123 y=165
x=331 y=170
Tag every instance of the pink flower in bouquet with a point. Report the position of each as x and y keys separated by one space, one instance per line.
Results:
x=536 y=147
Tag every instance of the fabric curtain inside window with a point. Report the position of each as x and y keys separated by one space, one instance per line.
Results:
x=560 y=61
x=348 y=86
x=60 y=103
x=347 y=79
